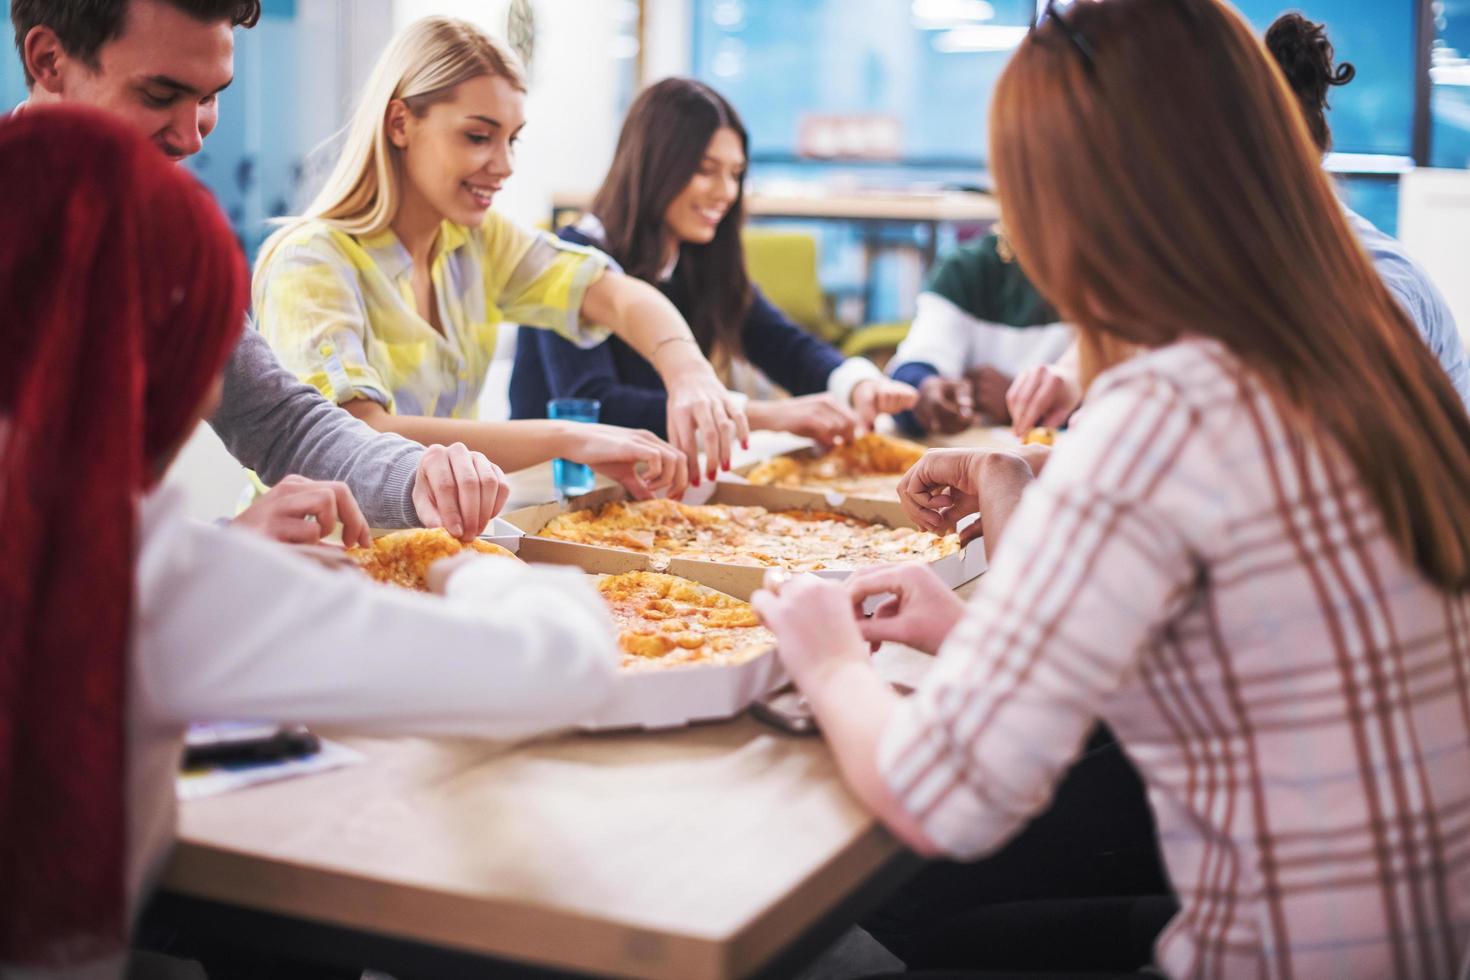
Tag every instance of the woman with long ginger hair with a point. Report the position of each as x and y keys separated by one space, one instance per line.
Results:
x=120 y=620
x=1250 y=558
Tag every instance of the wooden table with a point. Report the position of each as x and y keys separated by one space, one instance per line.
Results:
x=716 y=851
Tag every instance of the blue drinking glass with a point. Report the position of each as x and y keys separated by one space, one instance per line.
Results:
x=572 y=479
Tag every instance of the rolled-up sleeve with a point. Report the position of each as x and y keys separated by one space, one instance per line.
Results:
x=546 y=282
x=1094 y=562
x=311 y=310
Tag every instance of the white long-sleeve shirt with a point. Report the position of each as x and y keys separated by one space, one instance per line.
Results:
x=953 y=341
x=230 y=626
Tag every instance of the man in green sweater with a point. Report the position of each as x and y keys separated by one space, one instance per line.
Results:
x=978 y=324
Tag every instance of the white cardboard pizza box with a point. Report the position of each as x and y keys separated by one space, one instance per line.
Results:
x=672 y=696
x=678 y=696
x=740 y=581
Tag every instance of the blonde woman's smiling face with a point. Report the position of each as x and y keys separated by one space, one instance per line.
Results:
x=458 y=155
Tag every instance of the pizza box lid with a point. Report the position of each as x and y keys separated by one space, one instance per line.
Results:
x=740 y=581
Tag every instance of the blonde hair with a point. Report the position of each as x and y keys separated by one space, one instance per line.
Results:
x=421 y=66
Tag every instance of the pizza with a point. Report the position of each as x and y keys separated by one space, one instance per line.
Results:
x=667 y=621
x=800 y=540
x=1040 y=435
x=403 y=557
x=870 y=465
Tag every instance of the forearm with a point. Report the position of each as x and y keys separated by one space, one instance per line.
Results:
x=1000 y=479
x=510 y=445
x=854 y=704
x=277 y=426
x=647 y=322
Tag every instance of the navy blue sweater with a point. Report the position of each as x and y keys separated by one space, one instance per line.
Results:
x=631 y=392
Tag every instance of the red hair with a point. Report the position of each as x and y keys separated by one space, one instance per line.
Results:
x=122 y=290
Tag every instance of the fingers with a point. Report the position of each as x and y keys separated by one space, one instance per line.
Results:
x=627 y=475
x=295 y=530
x=862 y=585
x=494 y=490
x=665 y=468
x=897 y=397
x=467 y=492
x=742 y=422
x=831 y=423
x=1056 y=417
x=975 y=529
x=354 y=524
x=441 y=491
x=682 y=434
x=656 y=459
x=1020 y=395
x=717 y=453
x=679 y=482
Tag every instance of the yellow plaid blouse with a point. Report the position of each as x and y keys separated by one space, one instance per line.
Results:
x=340 y=313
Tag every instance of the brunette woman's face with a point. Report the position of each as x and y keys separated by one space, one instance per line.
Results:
x=695 y=215
x=458 y=155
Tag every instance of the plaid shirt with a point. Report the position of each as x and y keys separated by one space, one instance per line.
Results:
x=1297 y=698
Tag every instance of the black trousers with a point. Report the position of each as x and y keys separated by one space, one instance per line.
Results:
x=1082 y=887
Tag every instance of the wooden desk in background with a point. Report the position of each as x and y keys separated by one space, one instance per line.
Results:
x=718 y=851
x=869 y=210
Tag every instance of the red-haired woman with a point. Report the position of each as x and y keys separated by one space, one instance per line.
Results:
x=120 y=621
x=1251 y=558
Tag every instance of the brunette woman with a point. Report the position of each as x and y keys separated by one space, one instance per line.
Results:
x=670 y=212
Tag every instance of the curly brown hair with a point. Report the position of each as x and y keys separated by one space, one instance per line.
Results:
x=1301 y=49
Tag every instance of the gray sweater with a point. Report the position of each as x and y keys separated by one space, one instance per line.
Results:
x=276 y=426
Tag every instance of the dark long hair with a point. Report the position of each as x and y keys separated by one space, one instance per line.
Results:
x=1145 y=212
x=659 y=151
x=1301 y=49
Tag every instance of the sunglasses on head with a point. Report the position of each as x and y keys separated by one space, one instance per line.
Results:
x=1055 y=11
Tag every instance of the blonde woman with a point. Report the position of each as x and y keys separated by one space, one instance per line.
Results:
x=388 y=292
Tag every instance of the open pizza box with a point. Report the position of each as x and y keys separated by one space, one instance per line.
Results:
x=740 y=581
x=816 y=496
x=668 y=697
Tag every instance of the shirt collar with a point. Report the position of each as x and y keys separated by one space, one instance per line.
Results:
x=388 y=253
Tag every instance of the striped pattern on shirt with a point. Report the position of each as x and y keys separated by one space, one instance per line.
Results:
x=1220 y=589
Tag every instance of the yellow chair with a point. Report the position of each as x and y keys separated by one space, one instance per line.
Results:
x=784 y=265
x=878 y=342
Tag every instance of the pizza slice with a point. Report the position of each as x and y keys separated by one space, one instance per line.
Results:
x=871 y=465
x=667 y=621
x=403 y=557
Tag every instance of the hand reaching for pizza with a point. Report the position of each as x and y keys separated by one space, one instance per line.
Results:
x=989 y=388
x=881 y=396
x=945 y=406
x=458 y=490
x=817 y=417
x=1045 y=395
x=302 y=511
x=812 y=618
x=642 y=462
x=920 y=611
x=946 y=485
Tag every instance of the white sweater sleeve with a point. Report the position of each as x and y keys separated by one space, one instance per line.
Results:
x=940 y=336
x=232 y=627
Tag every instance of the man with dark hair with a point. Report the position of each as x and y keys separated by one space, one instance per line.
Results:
x=160 y=65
